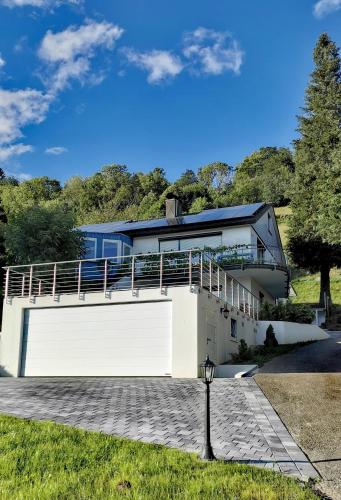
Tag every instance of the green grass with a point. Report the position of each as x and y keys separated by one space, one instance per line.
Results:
x=43 y=460
x=307 y=288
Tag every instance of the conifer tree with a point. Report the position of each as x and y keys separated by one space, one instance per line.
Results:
x=315 y=150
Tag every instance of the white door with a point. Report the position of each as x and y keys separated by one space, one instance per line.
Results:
x=101 y=340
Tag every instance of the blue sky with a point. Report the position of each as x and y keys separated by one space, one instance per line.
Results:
x=152 y=83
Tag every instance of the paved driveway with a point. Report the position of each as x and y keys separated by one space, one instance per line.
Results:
x=323 y=356
x=165 y=411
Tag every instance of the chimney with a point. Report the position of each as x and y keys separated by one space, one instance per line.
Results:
x=173 y=207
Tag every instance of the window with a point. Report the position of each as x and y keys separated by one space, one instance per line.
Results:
x=110 y=248
x=233 y=328
x=126 y=250
x=90 y=248
x=169 y=245
x=269 y=224
x=189 y=243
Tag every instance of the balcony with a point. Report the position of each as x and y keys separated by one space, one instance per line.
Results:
x=159 y=270
x=267 y=265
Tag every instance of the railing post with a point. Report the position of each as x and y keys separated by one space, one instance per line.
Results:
x=132 y=272
x=54 y=284
x=238 y=296
x=218 y=282
x=23 y=286
x=244 y=300
x=7 y=283
x=232 y=291
x=105 y=276
x=161 y=268
x=225 y=278
x=190 y=267
x=30 y=282
x=257 y=309
x=201 y=270
x=253 y=306
x=210 y=268
x=79 y=277
x=39 y=288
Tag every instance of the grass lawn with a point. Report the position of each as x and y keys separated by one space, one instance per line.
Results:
x=43 y=460
x=307 y=287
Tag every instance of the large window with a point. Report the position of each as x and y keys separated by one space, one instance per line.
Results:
x=197 y=241
x=110 y=248
x=90 y=248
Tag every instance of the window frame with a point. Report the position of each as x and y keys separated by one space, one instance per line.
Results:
x=88 y=238
x=125 y=245
x=107 y=240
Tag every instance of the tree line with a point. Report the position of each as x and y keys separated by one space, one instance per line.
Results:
x=38 y=216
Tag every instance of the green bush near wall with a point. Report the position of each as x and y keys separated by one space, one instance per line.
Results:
x=298 y=313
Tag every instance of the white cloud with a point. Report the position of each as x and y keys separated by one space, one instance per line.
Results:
x=324 y=7
x=2 y=61
x=160 y=64
x=212 y=52
x=56 y=150
x=43 y=4
x=68 y=53
x=7 y=152
x=19 y=108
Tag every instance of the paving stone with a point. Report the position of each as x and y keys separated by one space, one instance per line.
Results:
x=244 y=426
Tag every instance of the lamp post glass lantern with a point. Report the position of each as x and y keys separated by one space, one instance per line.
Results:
x=207 y=374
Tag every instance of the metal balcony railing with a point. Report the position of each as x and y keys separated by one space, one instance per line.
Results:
x=158 y=270
x=248 y=254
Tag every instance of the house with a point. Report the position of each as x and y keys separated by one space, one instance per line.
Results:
x=149 y=298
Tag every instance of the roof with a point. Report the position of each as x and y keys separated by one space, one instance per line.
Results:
x=206 y=217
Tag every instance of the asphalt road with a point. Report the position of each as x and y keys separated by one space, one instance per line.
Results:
x=323 y=356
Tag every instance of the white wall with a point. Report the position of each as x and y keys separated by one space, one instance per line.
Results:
x=287 y=332
x=192 y=309
x=209 y=313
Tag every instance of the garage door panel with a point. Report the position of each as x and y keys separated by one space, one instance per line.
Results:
x=108 y=340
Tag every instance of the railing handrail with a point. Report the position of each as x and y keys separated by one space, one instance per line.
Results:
x=189 y=261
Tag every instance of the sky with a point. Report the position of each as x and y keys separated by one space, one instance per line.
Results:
x=152 y=83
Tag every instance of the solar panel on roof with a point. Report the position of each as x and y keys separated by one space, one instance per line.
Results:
x=204 y=216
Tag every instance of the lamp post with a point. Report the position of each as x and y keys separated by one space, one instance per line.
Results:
x=207 y=374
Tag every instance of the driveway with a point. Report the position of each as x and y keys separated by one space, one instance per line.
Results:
x=323 y=356
x=305 y=389
x=245 y=427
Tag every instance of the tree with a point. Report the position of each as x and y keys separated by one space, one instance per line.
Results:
x=216 y=176
x=265 y=175
x=18 y=196
x=42 y=234
x=329 y=221
x=315 y=150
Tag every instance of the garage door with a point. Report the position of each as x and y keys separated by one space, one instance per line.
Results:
x=105 y=340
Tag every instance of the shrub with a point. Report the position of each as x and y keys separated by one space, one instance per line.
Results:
x=298 y=313
x=270 y=340
x=244 y=352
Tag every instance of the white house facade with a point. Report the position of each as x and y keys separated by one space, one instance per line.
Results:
x=150 y=298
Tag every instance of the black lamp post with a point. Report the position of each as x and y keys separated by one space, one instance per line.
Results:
x=207 y=374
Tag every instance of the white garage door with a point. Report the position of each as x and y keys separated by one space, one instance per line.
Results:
x=105 y=340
